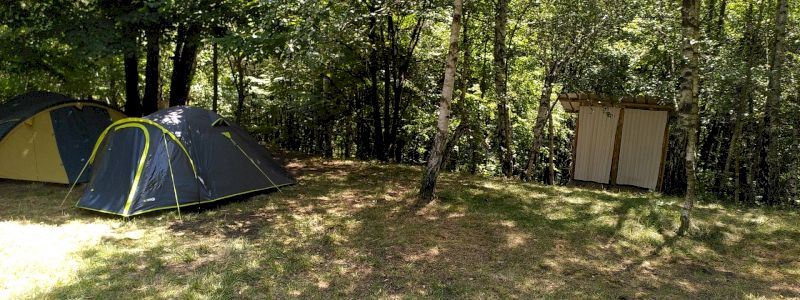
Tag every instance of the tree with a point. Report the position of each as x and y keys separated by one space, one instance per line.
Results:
x=500 y=81
x=428 y=185
x=187 y=44
x=373 y=66
x=771 y=108
x=688 y=109
x=151 y=71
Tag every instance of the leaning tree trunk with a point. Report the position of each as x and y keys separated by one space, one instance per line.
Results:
x=689 y=110
x=133 y=104
x=500 y=81
x=151 y=71
x=771 y=194
x=435 y=161
x=187 y=44
x=538 y=127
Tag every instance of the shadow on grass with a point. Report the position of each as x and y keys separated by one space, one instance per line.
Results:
x=344 y=231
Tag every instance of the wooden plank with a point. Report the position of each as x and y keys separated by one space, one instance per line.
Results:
x=617 y=142
x=648 y=106
x=665 y=146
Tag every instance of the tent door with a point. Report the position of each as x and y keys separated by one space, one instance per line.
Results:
x=120 y=158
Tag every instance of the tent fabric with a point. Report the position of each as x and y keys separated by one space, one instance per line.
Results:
x=176 y=157
x=24 y=106
x=48 y=137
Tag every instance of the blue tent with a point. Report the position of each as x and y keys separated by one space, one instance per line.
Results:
x=176 y=157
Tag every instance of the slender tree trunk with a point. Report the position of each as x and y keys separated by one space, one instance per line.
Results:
x=215 y=75
x=500 y=81
x=542 y=116
x=151 y=71
x=771 y=193
x=388 y=59
x=460 y=110
x=372 y=65
x=711 y=13
x=551 y=151
x=133 y=103
x=721 y=20
x=737 y=142
x=112 y=85
x=401 y=65
x=238 y=65
x=184 y=58
x=689 y=110
x=451 y=143
x=428 y=185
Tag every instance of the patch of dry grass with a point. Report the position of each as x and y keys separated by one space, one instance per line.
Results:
x=345 y=231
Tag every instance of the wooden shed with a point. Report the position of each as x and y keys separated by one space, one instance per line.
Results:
x=619 y=140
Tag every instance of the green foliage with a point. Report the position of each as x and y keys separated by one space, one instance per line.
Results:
x=301 y=71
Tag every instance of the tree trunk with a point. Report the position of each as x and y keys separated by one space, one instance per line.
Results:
x=388 y=59
x=721 y=20
x=771 y=193
x=215 y=75
x=737 y=142
x=377 y=129
x=451 y=143
x=401 y=65
x=551 y=151
x=238 y=65
x=187 y=44
x=435 y=161
x=133 y=104
x=500 y=81
x=112 y=85
x=542 y=116
x=689 y=110
x=151 y=72
x=711 y=12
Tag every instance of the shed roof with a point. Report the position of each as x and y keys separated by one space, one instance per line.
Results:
x=573 y=101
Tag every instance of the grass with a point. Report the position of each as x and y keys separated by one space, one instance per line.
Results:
x=345 y=232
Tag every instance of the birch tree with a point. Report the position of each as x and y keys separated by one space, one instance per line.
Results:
x=688 y=108
x=442 y=125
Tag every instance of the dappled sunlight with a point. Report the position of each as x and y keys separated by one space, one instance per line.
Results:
x=35 y=257
x=339 y=234
x=428 y=255
x=516 y=239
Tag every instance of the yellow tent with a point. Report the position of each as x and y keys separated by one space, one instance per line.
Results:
x=48 y=137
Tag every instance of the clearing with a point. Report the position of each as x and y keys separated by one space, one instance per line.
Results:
x=344 y=231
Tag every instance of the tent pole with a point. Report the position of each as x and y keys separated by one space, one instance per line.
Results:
x=74 y=183
x=254 y=163
x=172 y=176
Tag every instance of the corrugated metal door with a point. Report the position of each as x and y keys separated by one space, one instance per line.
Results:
x=641 y=147
x=595 y=148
